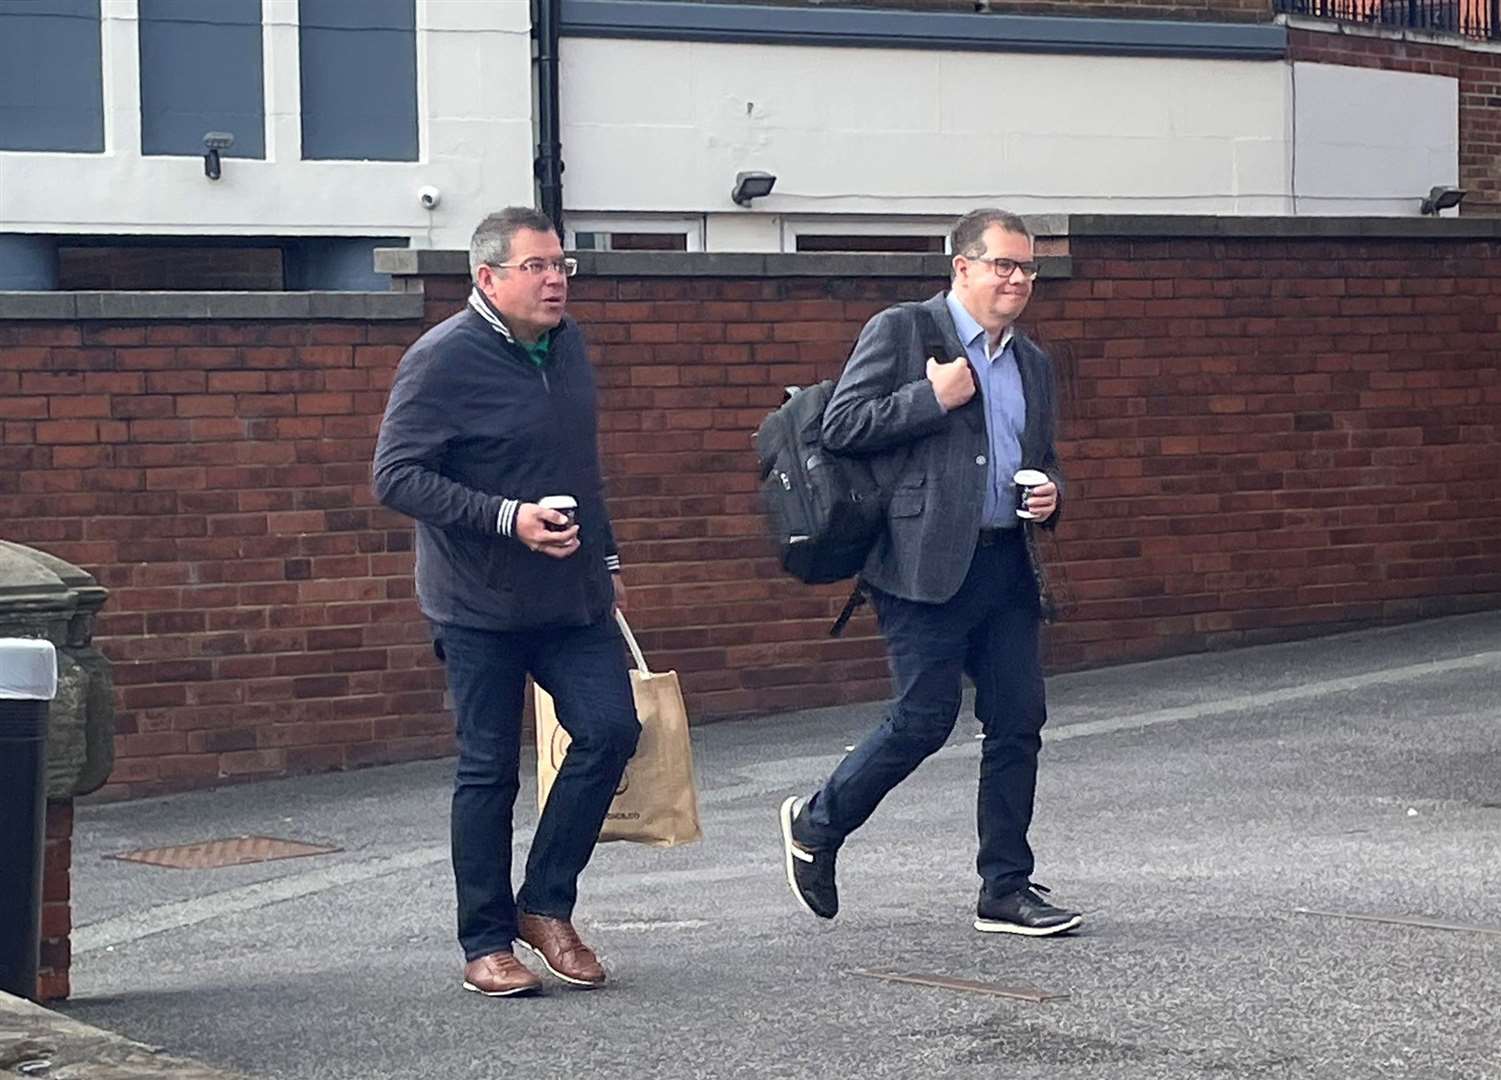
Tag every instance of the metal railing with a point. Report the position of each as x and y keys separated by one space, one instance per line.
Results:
x=1479 y=19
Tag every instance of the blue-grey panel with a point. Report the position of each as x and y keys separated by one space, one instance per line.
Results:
x=51 y=89
x=27 y=262
x=358 y=14
x=340 y=263
x=676 y=20
x=359 y=80
x=201 y=71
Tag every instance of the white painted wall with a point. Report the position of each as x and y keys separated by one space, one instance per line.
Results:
x=662 y=127
x=901 y=132
x=475 y=123
x=1374 y=140
x=920 y=132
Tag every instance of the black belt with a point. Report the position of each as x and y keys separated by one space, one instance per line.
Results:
x=998 y=536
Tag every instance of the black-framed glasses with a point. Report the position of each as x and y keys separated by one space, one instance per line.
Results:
x=1006 y=267
x=565 y=266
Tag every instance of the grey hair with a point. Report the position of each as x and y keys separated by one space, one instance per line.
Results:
x=491 y=243
x=968 y=235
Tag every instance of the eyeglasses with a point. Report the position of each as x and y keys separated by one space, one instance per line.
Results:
x=566 y=267
x=1006 y=267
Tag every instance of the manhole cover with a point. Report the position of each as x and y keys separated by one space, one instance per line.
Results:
x=232 y=851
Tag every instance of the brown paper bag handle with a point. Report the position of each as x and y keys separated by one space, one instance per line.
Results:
x=630 y=641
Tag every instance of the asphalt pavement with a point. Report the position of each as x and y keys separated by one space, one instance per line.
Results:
x=1289 y=858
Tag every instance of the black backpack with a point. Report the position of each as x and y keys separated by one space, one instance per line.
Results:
x=826 y=510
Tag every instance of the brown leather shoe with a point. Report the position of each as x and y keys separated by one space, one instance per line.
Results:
x=557 y=944
x=500 y=975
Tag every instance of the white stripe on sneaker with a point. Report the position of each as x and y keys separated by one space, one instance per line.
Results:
x=1000 y=926
x=790 y=806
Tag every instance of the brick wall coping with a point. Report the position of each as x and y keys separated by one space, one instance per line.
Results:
x=114 y=306
x=435 y=262
x=447 y=262
x=1155 y=226
x=677 y=20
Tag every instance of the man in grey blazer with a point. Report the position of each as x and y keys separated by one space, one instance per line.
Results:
x=954 y=580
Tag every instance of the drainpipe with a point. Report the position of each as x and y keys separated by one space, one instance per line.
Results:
x=548 y=166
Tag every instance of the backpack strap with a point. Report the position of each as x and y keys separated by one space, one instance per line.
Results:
x=930 y=335
x=852 y=605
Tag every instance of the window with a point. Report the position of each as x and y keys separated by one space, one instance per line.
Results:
x=883 y=242
x=916 y=236
x=201 y=71
x=359 y=80
x=51 y=90
x=605 y=233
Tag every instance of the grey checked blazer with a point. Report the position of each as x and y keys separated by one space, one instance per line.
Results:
x=932 y=463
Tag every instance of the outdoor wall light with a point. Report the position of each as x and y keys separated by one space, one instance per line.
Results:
x=1442 y=198
x=752 y=185
x=213 y=142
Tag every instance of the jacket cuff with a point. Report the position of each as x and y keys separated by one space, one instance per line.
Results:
x=505 y=521
x=612 y=563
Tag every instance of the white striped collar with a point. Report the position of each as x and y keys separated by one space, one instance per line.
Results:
x=487 y=312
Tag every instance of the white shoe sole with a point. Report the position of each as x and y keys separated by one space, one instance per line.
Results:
x=996 y=926
x=554 y=972
x=501 y=993
x=790 y=807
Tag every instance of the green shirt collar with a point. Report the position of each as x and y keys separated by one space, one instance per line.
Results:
x=539 y=352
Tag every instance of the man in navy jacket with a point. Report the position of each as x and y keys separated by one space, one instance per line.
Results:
x=492 y=411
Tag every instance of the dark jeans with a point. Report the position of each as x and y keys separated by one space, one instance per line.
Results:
x=989 y=631
x=585 y=670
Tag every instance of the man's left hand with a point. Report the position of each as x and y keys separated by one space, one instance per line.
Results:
x=1042 y=501
x=619 y=584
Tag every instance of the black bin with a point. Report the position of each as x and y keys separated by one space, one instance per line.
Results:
x=28 y=683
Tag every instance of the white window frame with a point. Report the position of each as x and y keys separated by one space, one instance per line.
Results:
x=863 y=225
x=690 y=226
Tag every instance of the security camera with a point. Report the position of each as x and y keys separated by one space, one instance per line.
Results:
x=429 y=197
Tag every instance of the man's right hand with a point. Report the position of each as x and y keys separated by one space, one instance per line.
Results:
x=531 y=529
x=953 y=382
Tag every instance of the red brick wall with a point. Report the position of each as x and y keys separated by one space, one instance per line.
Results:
x=1270 y=435
x=57 y=911
x=1265 y=438
x=1479 y=75
x=215 y=477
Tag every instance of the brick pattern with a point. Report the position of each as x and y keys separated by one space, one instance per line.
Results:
x=193 y=268
x=215 y=477
x=1266 y=438
x=57 y=910
x=1479 y=75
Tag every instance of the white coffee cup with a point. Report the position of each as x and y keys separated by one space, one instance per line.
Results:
x=566 y=505
x=1027 y=479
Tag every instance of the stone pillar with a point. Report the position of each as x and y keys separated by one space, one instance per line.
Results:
x=42 y=596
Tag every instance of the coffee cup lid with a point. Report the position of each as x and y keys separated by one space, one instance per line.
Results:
x=1030 y=477
x=558 y=502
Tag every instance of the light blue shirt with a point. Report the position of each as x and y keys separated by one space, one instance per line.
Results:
x=1000 y=386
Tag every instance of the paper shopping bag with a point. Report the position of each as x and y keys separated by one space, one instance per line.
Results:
x=656 y=802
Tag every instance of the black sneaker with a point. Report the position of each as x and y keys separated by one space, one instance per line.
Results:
x=810 y=873
x=1023 y=912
